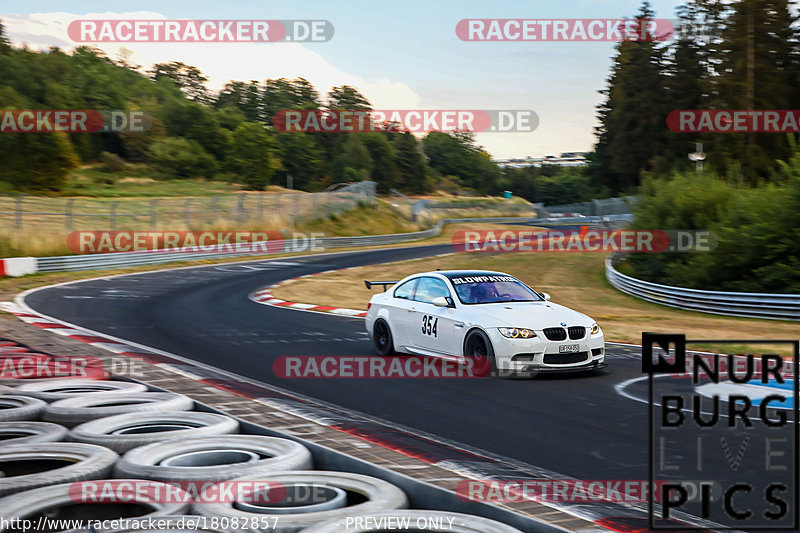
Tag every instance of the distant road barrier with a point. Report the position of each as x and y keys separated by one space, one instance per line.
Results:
x=744 y=304
x=67 y=263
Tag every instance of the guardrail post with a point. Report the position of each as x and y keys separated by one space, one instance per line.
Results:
x=113 y=215
x=214 y=206
x=240 y=212
x=153 y=217
x=186 y=213
x=68 y=212
x=18 y=217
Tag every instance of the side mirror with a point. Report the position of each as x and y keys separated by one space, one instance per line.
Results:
x=545 y=296
x=440 y=301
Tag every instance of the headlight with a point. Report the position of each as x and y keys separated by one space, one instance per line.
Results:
x=595 y=329
x=517 y=333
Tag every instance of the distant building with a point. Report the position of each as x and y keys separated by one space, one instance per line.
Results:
x=566 y=159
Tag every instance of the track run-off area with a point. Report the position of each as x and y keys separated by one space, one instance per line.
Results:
x=590 y=426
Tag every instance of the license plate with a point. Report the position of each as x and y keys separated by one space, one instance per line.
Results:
x=569 y=348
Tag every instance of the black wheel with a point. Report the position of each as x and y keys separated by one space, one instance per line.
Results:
x=478 y=347
x=382 y=336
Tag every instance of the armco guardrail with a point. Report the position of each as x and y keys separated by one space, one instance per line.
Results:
x=745 y=304
x=67 y=263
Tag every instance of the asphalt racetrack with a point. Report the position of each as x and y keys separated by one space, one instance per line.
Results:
x=585 y=426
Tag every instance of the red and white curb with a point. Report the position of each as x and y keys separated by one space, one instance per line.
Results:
x=264 y=296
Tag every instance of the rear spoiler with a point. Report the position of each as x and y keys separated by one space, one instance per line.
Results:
x=369 y=284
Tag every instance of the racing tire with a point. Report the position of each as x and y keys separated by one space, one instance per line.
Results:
x=435 y=521
x=73 y=411
x=23 y=432
x=125 y=432
x=54 y=502
x=478 y=347
x=364 y=494
x=14 y=407
x=68 y=462
x=382 y=336
x=213 y=458
x=59 y=389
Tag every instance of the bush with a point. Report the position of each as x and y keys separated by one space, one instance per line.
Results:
x=176 y=157
x=758 y=245
x=252 y=155
x=110 y=162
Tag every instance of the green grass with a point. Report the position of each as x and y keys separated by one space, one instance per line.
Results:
x=375 y=219
x=131 y=181
x=137 y=181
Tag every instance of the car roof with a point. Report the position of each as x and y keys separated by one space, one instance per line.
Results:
x=462 y=273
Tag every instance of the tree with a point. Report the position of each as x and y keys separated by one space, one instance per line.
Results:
x=252 y=155
x=384 y=170
x=232 y=95
x=5 y=43
x=198 y=123
x=34 y=161
x=631 y=131
x=410 y=161
x=347 y=97
x=301 y=157
x=188 y=78
x=176 y=157
x=282 y=94
x=353 y=161
x=37 y=161
x=456 y=154
x=757 y=66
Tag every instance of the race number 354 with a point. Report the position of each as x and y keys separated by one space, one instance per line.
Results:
x=429 y=324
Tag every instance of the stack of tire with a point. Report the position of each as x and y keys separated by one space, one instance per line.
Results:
x=66 y=441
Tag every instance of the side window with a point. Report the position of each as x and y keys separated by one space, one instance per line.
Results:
x=430 y=288
x=406 y=290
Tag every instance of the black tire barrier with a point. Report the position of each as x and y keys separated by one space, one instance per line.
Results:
x=60 y=389
x=29 y=466
x=25 y=432
x=74 y=411
x=213 y=458
x=125 y=432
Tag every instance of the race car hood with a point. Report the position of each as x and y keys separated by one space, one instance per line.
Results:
x=534 y=315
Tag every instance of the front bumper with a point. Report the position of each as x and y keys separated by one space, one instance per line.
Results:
x=541 y=355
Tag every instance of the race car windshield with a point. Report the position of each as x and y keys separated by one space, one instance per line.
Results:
x=490 y=289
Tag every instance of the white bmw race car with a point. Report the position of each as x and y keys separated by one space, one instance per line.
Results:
x=458 y=314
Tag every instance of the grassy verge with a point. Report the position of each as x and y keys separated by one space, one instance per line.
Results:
x=574 y=280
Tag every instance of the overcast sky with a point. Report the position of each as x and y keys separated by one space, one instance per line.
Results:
x=401 y=55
